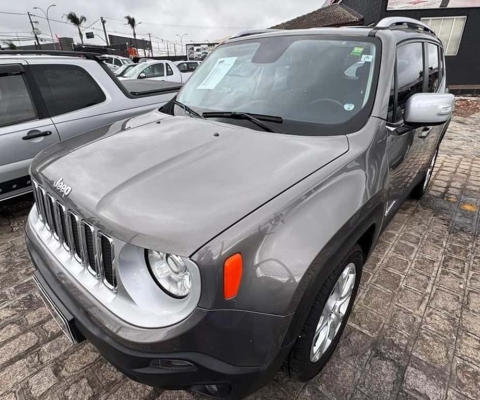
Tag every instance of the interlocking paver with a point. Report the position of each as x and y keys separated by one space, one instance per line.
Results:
x=414 y=332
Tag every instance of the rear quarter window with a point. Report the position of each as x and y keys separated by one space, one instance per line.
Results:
x=66 y=88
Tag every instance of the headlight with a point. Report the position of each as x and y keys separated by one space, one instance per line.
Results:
x=170 y=272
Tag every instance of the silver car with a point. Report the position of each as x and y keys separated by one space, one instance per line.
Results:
x=47 y=97
x=205 y=244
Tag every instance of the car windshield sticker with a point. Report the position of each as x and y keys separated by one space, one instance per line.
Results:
x=357 y=51
x=367 y=58
x=217 y=73
x=349 y=106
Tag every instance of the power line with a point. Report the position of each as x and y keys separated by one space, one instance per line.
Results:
x=92 y=24
x=12 y=13
x=188 y=26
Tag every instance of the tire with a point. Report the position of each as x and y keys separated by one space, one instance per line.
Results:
x=302 y=363
x=419 y=191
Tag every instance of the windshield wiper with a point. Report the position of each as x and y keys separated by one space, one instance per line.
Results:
x=187 y=109
x=255 y=118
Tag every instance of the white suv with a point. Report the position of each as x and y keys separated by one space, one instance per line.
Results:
x=114 y=62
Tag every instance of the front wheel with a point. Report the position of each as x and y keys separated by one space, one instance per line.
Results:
x=419 y=190
x=327 y=318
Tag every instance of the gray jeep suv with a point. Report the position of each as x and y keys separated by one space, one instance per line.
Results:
x=203 y=245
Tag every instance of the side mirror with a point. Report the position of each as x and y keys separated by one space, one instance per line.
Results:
x=428 y=109
x=142 y=76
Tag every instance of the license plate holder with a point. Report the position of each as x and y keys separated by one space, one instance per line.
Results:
x=61 y=316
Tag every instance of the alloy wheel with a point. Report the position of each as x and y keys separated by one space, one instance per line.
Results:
x=333 y=312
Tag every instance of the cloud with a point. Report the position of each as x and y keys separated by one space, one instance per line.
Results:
x=201 y=20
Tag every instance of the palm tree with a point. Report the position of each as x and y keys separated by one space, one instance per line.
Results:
x=77 y=21
x=11 y=45
x=133 y=24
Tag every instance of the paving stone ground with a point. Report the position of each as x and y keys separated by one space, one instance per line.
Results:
x=414 y=332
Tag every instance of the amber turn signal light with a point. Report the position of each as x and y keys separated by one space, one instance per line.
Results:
x=232 y=275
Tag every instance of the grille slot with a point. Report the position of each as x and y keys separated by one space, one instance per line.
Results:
x=89 y=244
x=43 y=207
x=63 y=225
x=107 y=255
x=76 y=244
x=52 y=214
x=90 y=247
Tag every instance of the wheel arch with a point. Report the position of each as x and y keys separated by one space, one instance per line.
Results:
x=365 y=232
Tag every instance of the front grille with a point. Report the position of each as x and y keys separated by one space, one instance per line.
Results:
x=82 y=240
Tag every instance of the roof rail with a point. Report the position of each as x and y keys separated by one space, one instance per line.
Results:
x=252 y=32
x=87 y=55
x=390 y=22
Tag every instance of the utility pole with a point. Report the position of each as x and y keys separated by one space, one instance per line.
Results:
x=34 y=31
x=104 y=30
x=48 y=22
x=151 y=48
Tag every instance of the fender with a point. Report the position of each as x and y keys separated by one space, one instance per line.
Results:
x=279 y=242
x=365 y=228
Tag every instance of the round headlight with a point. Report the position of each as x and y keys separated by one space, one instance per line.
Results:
x=170 y=272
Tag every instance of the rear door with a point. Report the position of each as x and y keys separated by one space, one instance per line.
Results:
x=74 y=100
x=407 y=148
x=25 y=129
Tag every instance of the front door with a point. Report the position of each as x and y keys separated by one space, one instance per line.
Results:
x=408 y=149
x=24 y=132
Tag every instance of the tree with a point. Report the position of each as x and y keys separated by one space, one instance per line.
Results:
x=11 y=45
x=133 y=24
x=77 y=21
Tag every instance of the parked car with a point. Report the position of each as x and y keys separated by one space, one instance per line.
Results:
x=123 y=69
x=114 y=62
x=187 y=68
x=47 y=98
x=205 y=244
x=163 y=70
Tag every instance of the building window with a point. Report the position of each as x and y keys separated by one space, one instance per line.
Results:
x=449 y=30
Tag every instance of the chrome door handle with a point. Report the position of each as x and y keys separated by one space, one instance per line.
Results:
x=425 y=132
x=36 y=134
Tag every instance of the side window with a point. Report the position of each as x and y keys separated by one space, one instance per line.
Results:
x=148 y=71
x=117 y=62
x=66 y=88
x=409 y=74
x=169 y=70
x=158 y=70
x=15 y=103
x=433 y=68
x=192 y=66
x=442 y=64
x=182 y=67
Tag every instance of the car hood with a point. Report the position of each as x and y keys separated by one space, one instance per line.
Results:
x=174 y=183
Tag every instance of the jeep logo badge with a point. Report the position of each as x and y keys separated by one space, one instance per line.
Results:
x=62 y=187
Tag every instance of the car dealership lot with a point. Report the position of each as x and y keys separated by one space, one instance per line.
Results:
x=415 y=329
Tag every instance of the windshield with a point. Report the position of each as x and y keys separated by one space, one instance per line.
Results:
x=133 y=72
x=312 y=82
x=126 y=61
x=123 y=70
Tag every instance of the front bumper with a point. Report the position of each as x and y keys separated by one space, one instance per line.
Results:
x=237 y=351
